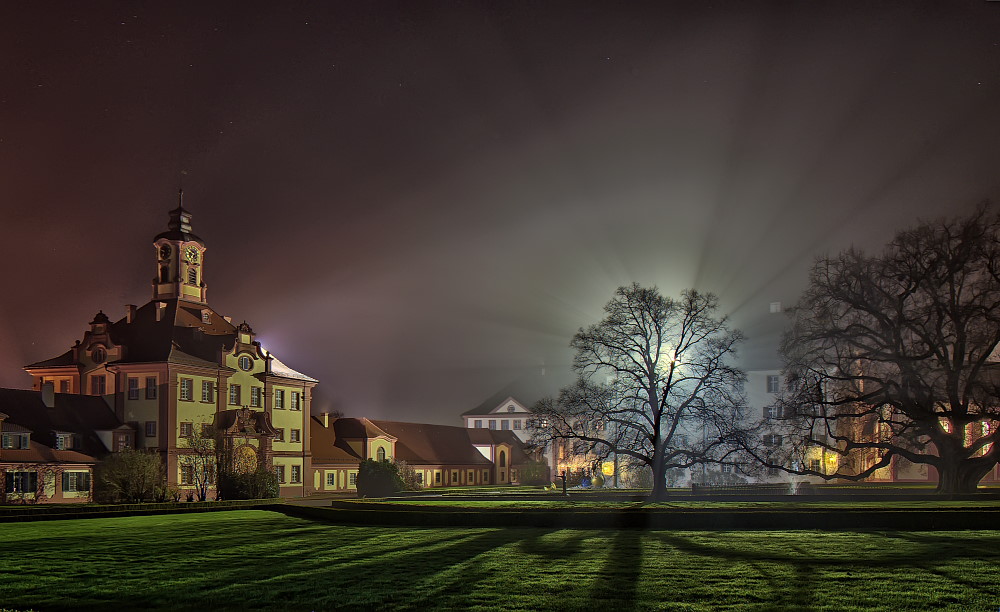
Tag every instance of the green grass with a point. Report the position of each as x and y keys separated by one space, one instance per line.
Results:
x=249 y=559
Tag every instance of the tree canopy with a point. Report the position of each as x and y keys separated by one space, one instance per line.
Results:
x=654 y=387
x=892 y=356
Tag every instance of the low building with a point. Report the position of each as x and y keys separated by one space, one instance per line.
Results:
x=50 y=442
x=440 y=455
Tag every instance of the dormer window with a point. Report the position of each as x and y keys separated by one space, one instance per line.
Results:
x=15 y=441
x=206 y=316
x=64 y=441
x=99 y=355
x=246 y=364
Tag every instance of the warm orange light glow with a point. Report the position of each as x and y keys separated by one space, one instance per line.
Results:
x=608 y=468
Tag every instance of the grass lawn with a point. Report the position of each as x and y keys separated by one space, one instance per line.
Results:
x=256 y=559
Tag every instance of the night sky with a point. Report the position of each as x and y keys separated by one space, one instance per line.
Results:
x=417 y=202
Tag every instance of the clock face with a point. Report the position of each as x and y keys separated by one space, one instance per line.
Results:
x=191 y=254
x=165 y=251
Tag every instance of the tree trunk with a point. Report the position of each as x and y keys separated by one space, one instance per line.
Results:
x=659 y=490
x=960 y=475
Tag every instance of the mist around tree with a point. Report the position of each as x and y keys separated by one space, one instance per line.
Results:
x=892 y=356
x=655 y=386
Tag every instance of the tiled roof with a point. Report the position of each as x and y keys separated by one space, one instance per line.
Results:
x=82 y=415
x=180 y=336
x=426 y=444
x=40 y=453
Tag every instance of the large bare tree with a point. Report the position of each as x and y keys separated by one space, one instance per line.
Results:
x=893 y=355
x=655 y=385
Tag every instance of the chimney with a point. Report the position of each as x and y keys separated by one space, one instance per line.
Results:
x=49 y=394
x=129 y=313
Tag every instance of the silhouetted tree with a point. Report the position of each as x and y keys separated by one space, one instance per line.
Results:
x=655 y=385
x=893 y=355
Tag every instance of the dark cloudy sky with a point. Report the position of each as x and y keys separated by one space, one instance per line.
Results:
x=413 y=202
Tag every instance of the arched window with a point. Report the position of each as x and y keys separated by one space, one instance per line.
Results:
x=503 y=459
x=380 y=454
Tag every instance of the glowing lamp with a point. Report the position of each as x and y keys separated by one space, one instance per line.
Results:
x=608 y=469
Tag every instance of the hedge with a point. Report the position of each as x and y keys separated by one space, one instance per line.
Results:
x=43 y=512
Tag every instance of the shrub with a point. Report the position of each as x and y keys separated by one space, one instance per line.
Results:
x=129 y=476
x=408 y=476
x=262 y=484
x=535 y=473
x=378 y=479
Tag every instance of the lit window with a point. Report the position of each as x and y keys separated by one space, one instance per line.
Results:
x=133 y=388
x=186 y=389
x=150 y=387
x=207 y=391
x=255 y=396
x=150 y=429
x=234 y=395
x=75 y=482
x=279 y=399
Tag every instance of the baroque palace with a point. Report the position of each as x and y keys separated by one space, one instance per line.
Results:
x=168 y=371
x=174 y=370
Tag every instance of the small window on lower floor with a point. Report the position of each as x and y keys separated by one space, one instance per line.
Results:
x=21 y=482
x=280 y=471
x=75 y=482
x=331 y=479
x=437 y=477
x=296 y=473
x=352 y=479
x=420 y=478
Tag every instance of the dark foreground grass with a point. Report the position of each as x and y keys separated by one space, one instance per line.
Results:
x=256 y=559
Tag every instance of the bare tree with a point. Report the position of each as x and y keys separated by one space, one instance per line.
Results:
x=201 y=459
x=654 y=386
x=892 y=356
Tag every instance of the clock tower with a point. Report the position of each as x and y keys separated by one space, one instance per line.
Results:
x=180 y=259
